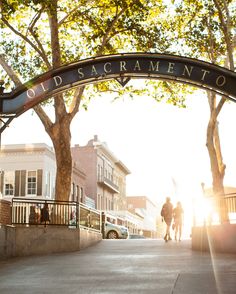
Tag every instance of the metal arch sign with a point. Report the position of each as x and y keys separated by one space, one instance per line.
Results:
x=121 y=67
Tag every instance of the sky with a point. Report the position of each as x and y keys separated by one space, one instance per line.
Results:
x=162 y=145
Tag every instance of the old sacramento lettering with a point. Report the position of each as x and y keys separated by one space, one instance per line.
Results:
x=145 y=67
x=132 y=66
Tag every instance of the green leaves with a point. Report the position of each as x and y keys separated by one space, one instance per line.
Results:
x=90 y=28
x=86 y=28
x=200 y=27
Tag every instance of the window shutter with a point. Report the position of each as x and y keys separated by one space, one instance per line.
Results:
x=22 y=182
x=39 y=182
x=17 y=183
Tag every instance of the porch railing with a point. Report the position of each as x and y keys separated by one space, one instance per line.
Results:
x=206 y=211
x=28 y=212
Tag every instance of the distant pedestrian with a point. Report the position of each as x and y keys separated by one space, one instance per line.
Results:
x=45 y=214
x=166 y=213
x=178 y=220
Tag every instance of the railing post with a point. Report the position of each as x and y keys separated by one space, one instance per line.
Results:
x=224 y=218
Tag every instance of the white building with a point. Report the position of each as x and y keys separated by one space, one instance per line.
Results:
x=27 y=170
x=144 y=207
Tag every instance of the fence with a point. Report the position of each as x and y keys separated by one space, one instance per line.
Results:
x=206 y=210
x=51 y=212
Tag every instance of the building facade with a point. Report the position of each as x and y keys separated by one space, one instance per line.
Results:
x=98 y=180
x=98 y=177
x=106 y=175
x=78 y=183
x=29 y=170
x=144 y=207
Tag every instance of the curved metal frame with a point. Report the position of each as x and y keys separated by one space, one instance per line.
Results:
x=121 y=67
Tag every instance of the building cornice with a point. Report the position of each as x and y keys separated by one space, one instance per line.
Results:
x=107 y=152
x=27 y=149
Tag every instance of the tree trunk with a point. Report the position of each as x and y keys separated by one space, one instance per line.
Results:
x=60 y=130
x=216 y=161
x=61 y=138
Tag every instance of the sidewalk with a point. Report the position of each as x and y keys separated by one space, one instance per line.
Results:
x=122 y=266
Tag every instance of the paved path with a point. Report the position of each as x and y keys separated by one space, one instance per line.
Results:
x=122 y=266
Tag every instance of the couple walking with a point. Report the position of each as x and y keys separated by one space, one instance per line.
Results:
x=168 y=213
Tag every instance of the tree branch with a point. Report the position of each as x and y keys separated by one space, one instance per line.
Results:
x=220 y=105
x=59 y=106
x=211 y=100
x=106 y=36
x=26 y=40
x=211 y=51
x=226 y=31
x=43 y=117
x=13 y=76
x=31 y=30
x=68 y=15
x=73 y=11
x=74 y=107
x=217 y=144
x=35 y=19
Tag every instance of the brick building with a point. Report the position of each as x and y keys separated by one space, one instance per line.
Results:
x=106 y=175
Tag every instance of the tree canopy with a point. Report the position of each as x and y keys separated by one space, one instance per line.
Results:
x=39 y=35
x=207 y=30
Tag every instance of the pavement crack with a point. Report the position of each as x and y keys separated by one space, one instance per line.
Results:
x=176 y=280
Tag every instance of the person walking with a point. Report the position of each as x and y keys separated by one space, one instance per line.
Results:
x=167 y=213
x=178 y=220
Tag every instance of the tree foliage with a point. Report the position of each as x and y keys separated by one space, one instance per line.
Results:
x=38 y=35
x=206 y=29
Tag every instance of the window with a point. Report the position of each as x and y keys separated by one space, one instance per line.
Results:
x=98 y=172
x=99 y=202
x=77 y=193
x=73 y=192
x=9 y=182
x=9 y=190
x=81 y=194
x=31 y=182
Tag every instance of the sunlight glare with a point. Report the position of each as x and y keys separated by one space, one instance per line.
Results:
x=204 y=212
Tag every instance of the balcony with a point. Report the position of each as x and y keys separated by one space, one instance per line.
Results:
x=108 y=184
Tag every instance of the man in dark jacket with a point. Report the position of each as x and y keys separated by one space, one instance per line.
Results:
x=167 y=213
